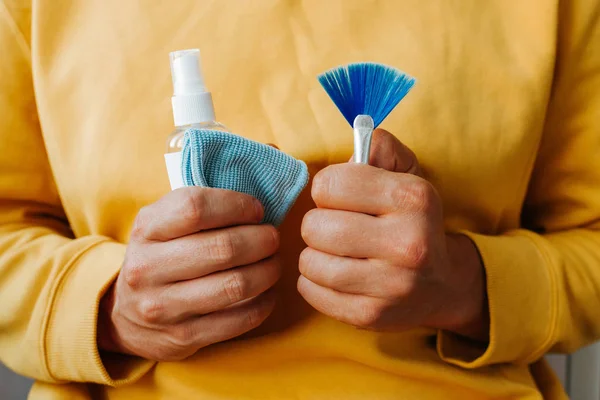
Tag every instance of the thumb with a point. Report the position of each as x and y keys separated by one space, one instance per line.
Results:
x=389 y=153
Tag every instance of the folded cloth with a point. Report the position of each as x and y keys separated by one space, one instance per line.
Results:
x=226 y=161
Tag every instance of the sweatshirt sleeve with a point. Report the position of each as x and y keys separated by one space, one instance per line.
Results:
x=544 y=288
x=50 y=283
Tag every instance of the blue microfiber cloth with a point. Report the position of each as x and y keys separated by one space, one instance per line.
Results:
x=226 y=161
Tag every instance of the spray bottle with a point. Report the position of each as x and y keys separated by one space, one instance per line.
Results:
x=192 y=108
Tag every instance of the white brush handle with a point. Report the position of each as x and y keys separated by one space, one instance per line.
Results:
x=363 y=132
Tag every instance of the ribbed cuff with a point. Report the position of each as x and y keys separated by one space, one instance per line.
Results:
x=521 y=297
x=70 y=336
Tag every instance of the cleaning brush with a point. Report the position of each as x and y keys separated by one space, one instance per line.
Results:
x=365 y=93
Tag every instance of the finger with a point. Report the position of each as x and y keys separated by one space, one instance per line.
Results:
x=389 y=153
x=203 y=253
x=227 y=324
x=217 y=291
x=348 y=275
x=351 y=309
x=362 y=188
x=344 y=233
x=193 y=209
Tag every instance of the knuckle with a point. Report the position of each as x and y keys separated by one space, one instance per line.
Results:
x=309 y=224
x=334 y=276
x=223 y=249
x=246 y=205
x=150 y=310
x=194 y=205
x=420 y=194
x=255 y=316
x=134 y=274
x=181 y=338
x=396 y=194
x=305 y=261
x=267 y=238
x=273 y=237
x=139 y=229
x=312 y=265
x=166 y=350
x=370 y=314
x=416 y=252
x=235 y=287
x=322 y=184
x=417 y=195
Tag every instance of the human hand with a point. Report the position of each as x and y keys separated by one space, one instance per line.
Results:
x=197 y=271
x=378 y=256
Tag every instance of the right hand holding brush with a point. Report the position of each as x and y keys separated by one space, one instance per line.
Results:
x=197 y=271
x=378 y=257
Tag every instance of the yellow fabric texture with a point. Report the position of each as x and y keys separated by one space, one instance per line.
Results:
x=505 y=120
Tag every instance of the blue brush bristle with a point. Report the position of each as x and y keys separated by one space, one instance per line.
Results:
x=366 y=89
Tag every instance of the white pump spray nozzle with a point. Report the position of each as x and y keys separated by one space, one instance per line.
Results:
x=186 y=73
x=191 y=101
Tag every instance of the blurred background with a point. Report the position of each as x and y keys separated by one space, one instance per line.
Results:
x=579 y=373
x=13 y=386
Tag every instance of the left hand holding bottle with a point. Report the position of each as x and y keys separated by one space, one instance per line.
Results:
x=378 y=256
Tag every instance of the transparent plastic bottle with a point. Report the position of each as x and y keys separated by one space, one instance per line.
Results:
x=175 y=139
x=192 y=108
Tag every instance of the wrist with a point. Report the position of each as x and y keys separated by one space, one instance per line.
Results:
x=471 y=306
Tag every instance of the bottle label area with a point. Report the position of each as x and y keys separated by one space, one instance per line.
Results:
x=173 y=162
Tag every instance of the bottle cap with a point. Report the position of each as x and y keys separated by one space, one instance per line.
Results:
x=191 y=102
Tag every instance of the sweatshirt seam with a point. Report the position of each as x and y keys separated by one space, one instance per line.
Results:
x=49 y=314
x=554 y=303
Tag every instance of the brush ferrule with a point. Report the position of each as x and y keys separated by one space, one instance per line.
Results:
x=363 y=132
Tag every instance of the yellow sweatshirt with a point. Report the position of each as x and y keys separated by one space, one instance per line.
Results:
x=505 y=120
